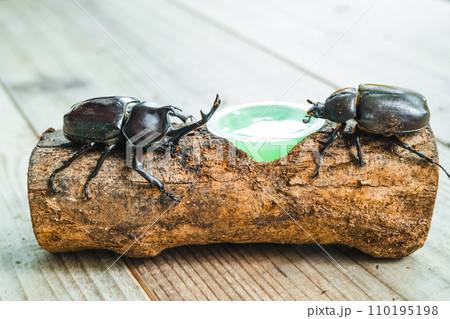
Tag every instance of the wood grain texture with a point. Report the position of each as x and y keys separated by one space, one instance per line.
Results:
x=348 y=43
x=191 y=57
x=28 y=273
x=384 y=209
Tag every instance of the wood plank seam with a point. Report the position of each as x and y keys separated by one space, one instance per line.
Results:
x=18 y=108
x=139 y=279
x=260 y=47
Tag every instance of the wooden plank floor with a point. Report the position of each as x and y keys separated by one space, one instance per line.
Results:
x=53 y=54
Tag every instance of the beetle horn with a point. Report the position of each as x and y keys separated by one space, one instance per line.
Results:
x=173 y=111
x=176 y=135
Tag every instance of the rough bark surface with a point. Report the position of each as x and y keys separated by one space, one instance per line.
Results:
x=383 y=209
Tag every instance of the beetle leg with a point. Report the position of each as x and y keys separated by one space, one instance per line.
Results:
x=334 y=136
x=173 y=112
x=94 y=173
x=358 y=145
x=173 y=148
x=139 y=167
x=67 y=163
x=399 y=142
x=179 y=133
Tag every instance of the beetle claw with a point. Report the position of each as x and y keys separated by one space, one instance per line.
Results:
x=86 y=194
x=170 y=195
x=52 y=186
x=307 y=119
x=217 y=101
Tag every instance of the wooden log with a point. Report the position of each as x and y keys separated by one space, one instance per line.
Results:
x=383 y=209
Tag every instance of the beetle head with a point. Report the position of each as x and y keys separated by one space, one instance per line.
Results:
x=317 y=111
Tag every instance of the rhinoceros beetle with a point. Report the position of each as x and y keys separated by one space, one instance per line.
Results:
x=377 y=109
x=111 y=121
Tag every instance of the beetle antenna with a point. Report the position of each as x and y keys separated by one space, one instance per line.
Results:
x=310 y=102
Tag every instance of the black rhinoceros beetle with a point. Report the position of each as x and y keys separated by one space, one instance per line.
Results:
x=110 y=121
x=377 y=109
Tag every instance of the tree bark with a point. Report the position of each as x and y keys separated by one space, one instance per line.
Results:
x=383 y=209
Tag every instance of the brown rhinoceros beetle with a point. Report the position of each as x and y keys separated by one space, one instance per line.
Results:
x=110 y=121
x=377 y=109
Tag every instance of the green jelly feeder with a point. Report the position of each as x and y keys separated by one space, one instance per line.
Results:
x=264 y=130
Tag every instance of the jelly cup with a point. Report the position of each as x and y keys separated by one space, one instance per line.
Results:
x=264 y=130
